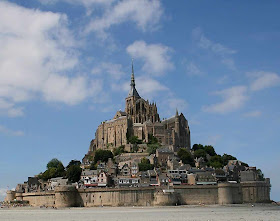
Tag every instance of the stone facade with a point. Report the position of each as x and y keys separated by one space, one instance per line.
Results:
x=223 y=193
x=141 y=119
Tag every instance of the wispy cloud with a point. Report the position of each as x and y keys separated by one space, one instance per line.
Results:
x=10 y=109
x=9 y=132
x=3 y=192
x=223 y=79
x=192 y=69
x=222 y=51
x=144 y=13
x=156 y=57
x=255 y=113
x=213 y=139
x=261 y=80
x=115 y=71
x=174 y=103
x=89 y=5
x=233 y=99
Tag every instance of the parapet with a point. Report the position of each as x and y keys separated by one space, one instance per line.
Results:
x=65 y=188
x=11 y=196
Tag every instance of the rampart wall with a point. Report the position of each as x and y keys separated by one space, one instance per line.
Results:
x=223 y=193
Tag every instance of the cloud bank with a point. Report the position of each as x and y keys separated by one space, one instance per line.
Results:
x=38 y=53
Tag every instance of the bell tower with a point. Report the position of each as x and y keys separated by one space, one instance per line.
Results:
x=132 y=95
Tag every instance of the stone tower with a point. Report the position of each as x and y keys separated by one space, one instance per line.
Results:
x=138 y=109
x=141 y=119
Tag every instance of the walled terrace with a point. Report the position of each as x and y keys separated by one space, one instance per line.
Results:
x=222 y=193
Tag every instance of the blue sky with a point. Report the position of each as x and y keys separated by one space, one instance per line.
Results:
x=65 y=67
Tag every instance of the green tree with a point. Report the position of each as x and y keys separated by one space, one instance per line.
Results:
x=152 y=148
x=210 y=150
x=119 y=150
x=55 y=168
x=93 y=166
x=134 y=140
x=185 y=156
x=244 y=164
x=226 y=158
x=73 y=173
x=152 y=139
x=102 y=155
x=73 y=162
x=135 y=148
x=197 y=147
x=260 y=175
x=200 y=153
x=145 y=165
x=54 y=163
x=216 y=161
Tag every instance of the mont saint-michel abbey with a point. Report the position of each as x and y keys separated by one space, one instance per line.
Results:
x=137 y=159
x=141 y=119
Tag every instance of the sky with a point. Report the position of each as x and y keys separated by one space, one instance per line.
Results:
x=65 y=66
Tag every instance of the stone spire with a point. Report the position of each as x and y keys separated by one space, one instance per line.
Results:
x=132 y=82
x=177 y=113
x=133 y=92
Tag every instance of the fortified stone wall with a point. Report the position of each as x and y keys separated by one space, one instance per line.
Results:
x=230 y=193
x=223 y=193
x=116 y=197
x=256 y=192
x=192 y=195
x=40 y=198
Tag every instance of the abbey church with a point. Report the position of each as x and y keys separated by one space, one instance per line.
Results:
x=141 y=119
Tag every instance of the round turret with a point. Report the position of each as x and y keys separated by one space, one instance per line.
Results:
x=11 y=196
x=65 y=196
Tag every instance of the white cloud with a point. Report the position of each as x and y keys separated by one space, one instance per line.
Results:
x=224 y=52
x=173 y=104
x=37 y=50
x=262 y=80
x=150 y=87
x=89 y=5
x=2 y=193
x=205 y=43
x=253 y=114
x=63 y=89
x=8 y=108
x=113 y=70
x=213 y=139
x=145 y=13
x=155 y=56
x=224 y=79
x=229 y=62
x=192 y=69
x=10 y=132
x=147 y=87
x=233 y=99
x=86 y=3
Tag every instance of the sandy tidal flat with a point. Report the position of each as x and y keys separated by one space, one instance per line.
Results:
x=189 y=213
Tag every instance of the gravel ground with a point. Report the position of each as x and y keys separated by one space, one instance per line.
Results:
x=190 y=213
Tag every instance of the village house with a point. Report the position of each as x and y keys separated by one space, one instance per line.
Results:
x=89 y=178
x=162 y=155
x=57 y=181
x=103 y=179
x=121 y=181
